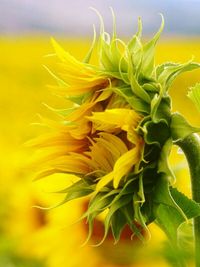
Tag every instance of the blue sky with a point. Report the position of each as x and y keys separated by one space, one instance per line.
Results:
x=73 y=17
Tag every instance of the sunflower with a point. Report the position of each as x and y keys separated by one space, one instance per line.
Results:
x=117 y=135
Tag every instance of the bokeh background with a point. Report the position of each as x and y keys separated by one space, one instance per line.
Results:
x=31 y=237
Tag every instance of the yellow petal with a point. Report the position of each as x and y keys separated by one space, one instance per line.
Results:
x=111 y=119
x=70 y=164
x=124 y=164
x=65 y=56
x=113 y=143
x=104 y=181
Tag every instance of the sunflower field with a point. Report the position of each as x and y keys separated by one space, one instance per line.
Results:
x=35 y=237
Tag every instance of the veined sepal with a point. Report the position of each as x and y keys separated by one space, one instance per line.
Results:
x=180 y=128
x=156 y=133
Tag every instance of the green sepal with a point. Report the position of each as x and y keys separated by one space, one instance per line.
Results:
x=128 y=188
x=180 y=128
x=151 y=156
x=80 y=99
x=163 y=163
x=123 y=70
x=89 y=53
x=59 y=81
x=135 y=86
x=129 y=213
x=151 y=87
x=148 y=208
x=99 y=203
x=81 y=185
x=160 y=108
x=140 y=218
x=156 y=133
x=104 y=52
x=122 y=198
x=134 y=44
x=135 y=102
x=61 y=112
x=149 y=53
x=121 y=202
x=118 y=222
x=77 y=190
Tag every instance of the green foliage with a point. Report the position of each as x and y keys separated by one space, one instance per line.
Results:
x=170 y=217
x=194 y=95
x=180 y=128
x=9 y=255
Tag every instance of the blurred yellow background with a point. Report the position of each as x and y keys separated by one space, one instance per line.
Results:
x=31 y=237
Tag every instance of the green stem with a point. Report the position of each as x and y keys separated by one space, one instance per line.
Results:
x=191 y=148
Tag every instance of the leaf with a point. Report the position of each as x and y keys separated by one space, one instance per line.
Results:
x=162 y=196
x=176 y=256
x=185 y=236
x=194 y=95
x=189 y=206
x=180 y=128
x=160 y=68
x=169 y=219
x=167 y=72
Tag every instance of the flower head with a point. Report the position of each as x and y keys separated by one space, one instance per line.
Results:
x=118 y=133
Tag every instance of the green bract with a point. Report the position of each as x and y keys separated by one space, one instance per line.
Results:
x=146 y=195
